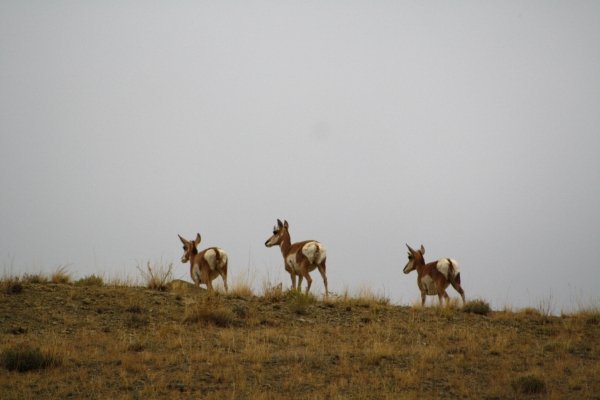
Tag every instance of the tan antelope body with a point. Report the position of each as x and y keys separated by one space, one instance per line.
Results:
x=206 y=265
x=299 y=258
x=433 y=278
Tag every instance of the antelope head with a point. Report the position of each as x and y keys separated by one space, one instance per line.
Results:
x=189 y=248
x=414 y=255
x=279 y=232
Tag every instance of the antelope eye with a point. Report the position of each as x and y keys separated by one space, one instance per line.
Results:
x=274 y=232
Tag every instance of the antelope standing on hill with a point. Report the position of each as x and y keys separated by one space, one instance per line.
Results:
x=299 y=258
x=206 y=265
x=433 y=278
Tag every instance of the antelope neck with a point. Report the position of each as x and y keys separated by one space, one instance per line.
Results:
x=285 y=244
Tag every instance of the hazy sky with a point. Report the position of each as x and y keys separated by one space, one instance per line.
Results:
x=471 y=127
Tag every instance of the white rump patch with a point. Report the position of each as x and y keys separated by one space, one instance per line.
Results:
x=443 y=266
x=211 y=258
x=315 y=252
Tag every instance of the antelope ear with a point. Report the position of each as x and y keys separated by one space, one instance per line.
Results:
x=279 y=223
x=182 y=239
x=422 y=249
x=285 y=224
x=198 y=239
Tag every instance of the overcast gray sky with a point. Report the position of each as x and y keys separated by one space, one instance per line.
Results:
x=471 y=127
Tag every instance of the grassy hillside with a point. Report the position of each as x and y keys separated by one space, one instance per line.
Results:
x=90 y=340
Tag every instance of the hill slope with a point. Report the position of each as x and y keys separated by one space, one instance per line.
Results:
x=128 y=342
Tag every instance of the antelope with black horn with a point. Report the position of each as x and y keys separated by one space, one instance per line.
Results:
x=206 y=265
x=433 y=278
x=299 y=258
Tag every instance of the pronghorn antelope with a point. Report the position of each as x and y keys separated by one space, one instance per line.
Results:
x=206 y=265
x=433 y=278
x=299 y=258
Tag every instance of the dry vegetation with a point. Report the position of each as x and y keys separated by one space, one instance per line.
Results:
x=89 y=339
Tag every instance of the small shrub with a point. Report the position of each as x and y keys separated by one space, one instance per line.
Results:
x=91 y=280
x=136 y=347
x=299 y=302
x=34 y=278
x=273 y=294
x=134 y=309
x=241 y=290
x=157 y=278
x=530 y=311
x=588 y=316
x=61 y=275
x=12 y=286
x=529 y=384
x=367 y=297
x=219 y=316
x=25 y=358
x=593 y=319
x=478 y=306
x=241 y=286
x=136 y=321
x=241 y=311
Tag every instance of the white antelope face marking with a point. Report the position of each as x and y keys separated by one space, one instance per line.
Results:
x=278 y=234
x=273 y=240
x=410 y=264
x=187 y=252
x=414 y=255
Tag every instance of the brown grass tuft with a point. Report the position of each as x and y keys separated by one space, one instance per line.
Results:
x=34 y=278
x=299 y=302
x=477 y=306
x=90 y=280
x=273 y=294
x=157 y=277
x=61 y=275
x=240 y=289
x=529 y=384
x=26 y=358
x=11 y=286
x=210 y=314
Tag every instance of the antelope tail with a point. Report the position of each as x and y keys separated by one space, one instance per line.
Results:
x=453 y=274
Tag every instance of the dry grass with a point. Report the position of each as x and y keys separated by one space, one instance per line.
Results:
x=26 y=358
x=273 y=293
x=131 y=342
x=156 y=277
x=241 y=287
x=11 y=285
x=90 y=280
x=61 y=275
x=477 y=306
